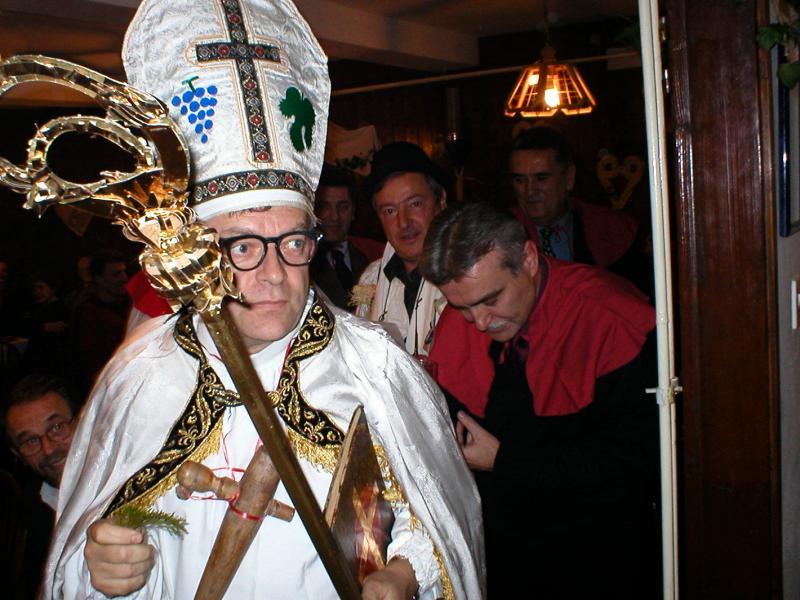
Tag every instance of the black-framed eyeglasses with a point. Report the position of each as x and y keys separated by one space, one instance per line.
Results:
x=295 y=248
x=57 y=432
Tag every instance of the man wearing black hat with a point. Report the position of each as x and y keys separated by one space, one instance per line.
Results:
x=407 y=190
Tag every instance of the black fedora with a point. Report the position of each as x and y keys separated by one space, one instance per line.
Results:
x=402 y=157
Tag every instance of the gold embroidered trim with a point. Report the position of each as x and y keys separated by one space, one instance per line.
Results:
x=190 y=437
x=394 y=494
x=197 y=433
x=312 y=424
x=322 y=457
x=447 y=585
x=206 y=448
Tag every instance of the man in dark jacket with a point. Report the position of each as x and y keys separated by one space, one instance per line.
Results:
x=341 y=258
x=545 y=364
x=561 y=225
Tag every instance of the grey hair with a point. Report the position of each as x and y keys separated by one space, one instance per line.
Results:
x=462 y=235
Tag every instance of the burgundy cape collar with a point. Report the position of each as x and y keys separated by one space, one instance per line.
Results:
x=586 y=324
x=609 y=233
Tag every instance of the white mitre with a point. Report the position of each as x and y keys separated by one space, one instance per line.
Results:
x=247 y=82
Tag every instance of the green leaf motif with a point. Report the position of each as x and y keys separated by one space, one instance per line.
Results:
x=770 y=35
x=789 y=74
x=301 y=130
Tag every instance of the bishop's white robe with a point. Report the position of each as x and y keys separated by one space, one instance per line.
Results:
x=380 y=299
x=140 y=402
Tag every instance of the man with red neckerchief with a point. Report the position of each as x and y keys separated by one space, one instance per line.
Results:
x=545 y=364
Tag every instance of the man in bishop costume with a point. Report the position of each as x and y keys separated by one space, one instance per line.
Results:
x=247 y=82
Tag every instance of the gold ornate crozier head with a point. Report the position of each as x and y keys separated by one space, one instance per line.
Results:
x=181 y=258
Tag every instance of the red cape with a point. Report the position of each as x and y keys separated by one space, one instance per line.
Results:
x=586 y=324
x=609 y=233
x=145 y=298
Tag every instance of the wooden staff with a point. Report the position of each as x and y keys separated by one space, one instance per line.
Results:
x=251 y=499
x=237 y=360
x=194 y=477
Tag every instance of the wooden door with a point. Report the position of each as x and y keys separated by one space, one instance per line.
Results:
x=725 y=258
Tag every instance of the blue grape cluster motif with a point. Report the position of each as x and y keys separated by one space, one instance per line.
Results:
x=197 y=105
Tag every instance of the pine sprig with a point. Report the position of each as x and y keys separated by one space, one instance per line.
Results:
x=135 y=517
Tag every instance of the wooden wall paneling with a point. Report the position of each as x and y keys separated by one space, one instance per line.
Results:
x=726 y=303
x=417 y=114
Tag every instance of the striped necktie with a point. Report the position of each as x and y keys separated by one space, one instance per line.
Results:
x=546 y=245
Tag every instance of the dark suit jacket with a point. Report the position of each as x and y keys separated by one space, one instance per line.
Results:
x=604 y=237
x=324 y=276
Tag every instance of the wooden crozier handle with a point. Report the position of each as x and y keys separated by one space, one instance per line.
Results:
x=194 y=477
x=239 y=526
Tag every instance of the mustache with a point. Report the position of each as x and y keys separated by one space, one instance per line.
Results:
x=497 y=325
x=48 y=462
x=410 y=230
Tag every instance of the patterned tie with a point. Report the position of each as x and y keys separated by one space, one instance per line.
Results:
x=519 y=347
x=342 y=272
x=545 y=235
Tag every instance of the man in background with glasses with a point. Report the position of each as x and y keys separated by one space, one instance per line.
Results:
x=38 y=424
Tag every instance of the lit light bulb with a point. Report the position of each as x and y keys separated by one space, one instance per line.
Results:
x=533 y=79
x=551 y=97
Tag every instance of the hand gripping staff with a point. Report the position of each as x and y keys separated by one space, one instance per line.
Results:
x=181 y=259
